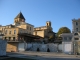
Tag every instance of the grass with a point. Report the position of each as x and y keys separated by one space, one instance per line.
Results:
x=12 y=58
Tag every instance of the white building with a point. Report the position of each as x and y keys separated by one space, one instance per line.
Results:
x=67 y=43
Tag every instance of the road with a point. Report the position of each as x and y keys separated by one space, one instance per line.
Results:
x=44 y=55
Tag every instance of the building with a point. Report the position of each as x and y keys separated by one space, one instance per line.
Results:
x=76 y=43
x=76 y=25
x=19 y=21
x=11 y=33
x=20 y=31
x=67 y=43
x=76 y=35
x=44 y=31
x=20 y=26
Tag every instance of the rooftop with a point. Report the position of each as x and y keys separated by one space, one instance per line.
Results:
x=20 y=15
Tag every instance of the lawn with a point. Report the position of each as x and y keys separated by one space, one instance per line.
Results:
x=12 y=58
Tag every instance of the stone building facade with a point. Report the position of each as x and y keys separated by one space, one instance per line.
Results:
x=76 y=25
x=20 y=26
x=76 y=43
x=76 y=35
x=11 y=32
x=44 y=31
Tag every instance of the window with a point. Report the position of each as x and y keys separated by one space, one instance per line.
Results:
x=65 y=38
x=76 y=23
x=6 y=32
x=76 y=34
x=9 y=38
x=9 y=32
x=13 y=38
x=70 y=38
x=30 y=28
x=47 y=24
x=76 y=38
x=14 y=31
x=76 y=29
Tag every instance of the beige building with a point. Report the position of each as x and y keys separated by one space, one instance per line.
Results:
x=20 y=26
x=19 y=21
x=44 y=31
x=11 y=32
x=76 y=25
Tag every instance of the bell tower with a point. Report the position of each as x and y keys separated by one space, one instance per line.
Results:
x=19 y=18
x=48 y=23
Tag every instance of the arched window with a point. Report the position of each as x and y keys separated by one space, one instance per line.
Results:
x=47 y=24
x=13 y=38
x=9 y=38
x=76 y=34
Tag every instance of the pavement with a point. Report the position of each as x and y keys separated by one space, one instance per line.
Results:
x=43 y=55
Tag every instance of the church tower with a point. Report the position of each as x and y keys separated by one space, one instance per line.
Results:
x=19 y=18
x=48 y=24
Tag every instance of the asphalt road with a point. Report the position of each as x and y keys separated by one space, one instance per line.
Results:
x=58 y=59
x=44 y=55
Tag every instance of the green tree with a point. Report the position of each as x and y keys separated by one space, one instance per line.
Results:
x=51 y=38
x=63 y=30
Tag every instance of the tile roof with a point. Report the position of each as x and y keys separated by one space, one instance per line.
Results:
x=20 y=15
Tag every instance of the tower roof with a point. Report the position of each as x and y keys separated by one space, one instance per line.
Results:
x=20 y=15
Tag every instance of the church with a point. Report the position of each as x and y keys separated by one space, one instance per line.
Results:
x=20 y=31
x=20 y=26
x=44 y=31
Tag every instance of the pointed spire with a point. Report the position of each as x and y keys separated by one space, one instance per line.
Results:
x=20 y=11
x=20 y=15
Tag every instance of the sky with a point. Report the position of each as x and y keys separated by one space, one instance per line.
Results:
x=37 y=12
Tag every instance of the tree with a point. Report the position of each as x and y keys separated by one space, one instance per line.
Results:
x=63 y=30
x=51 y=38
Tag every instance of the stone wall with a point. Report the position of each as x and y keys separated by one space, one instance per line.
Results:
x=3 y=44
x=43 y=47
x=12 y=46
